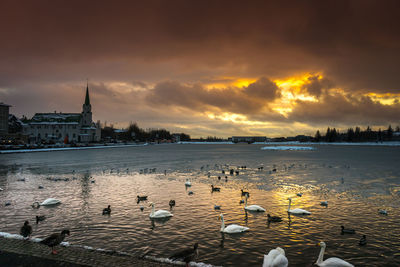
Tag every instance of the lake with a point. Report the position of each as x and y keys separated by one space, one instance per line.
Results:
x=356 y=181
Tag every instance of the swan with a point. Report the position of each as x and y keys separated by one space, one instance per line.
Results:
x=331 y=262
x=188 y=183
x=253 y=207
x=275 y=258
x=159 y=213
x=47 y=202
x=232 y=228
x=297 y=211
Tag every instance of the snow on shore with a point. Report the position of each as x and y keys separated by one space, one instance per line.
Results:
x=288 y=148
x=65 y=148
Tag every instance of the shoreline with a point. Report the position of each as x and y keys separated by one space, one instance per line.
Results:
x=294 y=143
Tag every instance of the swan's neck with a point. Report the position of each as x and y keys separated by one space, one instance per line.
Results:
x=290 y=203
x=152 y=210
x=222 y=224
x=321 y=255
x=245 y=202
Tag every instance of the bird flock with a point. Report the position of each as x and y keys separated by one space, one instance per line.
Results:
x=276 y=257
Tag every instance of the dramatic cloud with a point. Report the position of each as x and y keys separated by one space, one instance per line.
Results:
x=176 y=63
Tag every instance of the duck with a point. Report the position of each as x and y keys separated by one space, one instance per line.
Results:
x=347 y=231
x=141 y=208
x=141 y=198
x=190 y=193
x=299 y=194
x=232 y=228
x=54 y=240
x=188 y=183
x=186 y=255
x=40 y=187
x=107 y=211
x=241 y=201
x=324 y=203
x=331 y=262
x=274 y=218
x=253 y=207
x=297 y=211
x=40 y=218
x=26 y=230
x=383 y=212
x=244 y=193
x=159 y=213
x=217 y=207
x=171 y=203
x=215 y=189
x=275 y=258
x=363 y=240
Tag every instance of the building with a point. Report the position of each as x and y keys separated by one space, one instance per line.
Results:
x=4 y=113
x=64 y=127
x=248 y=139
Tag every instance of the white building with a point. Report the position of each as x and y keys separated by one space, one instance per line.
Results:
x=64 y=127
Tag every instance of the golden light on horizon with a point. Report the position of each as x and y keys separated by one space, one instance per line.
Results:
x=385 y=99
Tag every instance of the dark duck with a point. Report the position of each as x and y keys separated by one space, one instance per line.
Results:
x=215 y=189
x=347 y=231
x=186 y=255
x=40 y=218
x=107 y=211
x=54 y=240
x=26 y=230
x=274 y=218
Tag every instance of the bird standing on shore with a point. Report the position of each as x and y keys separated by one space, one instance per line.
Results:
x=186 y=255
x=54 y=240
x=26 y=230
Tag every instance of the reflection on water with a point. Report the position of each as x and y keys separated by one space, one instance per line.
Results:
x=356 y=182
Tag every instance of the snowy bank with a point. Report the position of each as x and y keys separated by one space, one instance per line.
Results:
x=287 y=148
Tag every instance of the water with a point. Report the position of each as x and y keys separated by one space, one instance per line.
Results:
x=355 y=180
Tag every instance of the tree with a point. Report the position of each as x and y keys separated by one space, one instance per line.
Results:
x=317 y=136
x=389 y=132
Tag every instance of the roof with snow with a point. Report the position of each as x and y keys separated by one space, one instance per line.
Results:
x=56 y=117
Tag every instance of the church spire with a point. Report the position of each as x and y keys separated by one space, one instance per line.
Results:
x=87 y=100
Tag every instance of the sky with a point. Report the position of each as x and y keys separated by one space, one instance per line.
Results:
x=206 y=68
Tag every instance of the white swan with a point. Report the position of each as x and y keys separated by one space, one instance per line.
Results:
x=275 y=258
x=253 y=207
x=232 y=228
x=47 y=202
x=159 y=213
x=331 y=262
x=297 y=211
x=188 y=183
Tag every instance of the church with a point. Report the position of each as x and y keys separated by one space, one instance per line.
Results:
x=64 y=127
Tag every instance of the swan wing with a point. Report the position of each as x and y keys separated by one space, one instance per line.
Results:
x=300 y=211
x=254 y=208
x=335 y=262
x=50 y=201
x=234 y=228
x=162 y=213
x=275 y=258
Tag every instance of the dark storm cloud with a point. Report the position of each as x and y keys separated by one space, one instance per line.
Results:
x=342 y=109
x=248 y=100
x=49 y=47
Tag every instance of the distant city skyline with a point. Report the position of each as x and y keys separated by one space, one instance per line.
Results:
x=206 y=68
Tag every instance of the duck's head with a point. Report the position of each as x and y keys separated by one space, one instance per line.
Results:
x=65 y=232
x=196 y=245
x=27 y=222
x=342 y=227
x=109 y=206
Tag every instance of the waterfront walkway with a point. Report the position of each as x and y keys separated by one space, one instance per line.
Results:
x=15 y=252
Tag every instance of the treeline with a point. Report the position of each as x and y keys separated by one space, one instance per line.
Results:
x=134 y=133
x=356 y=135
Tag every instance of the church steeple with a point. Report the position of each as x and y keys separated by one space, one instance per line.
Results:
x=87 y=100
